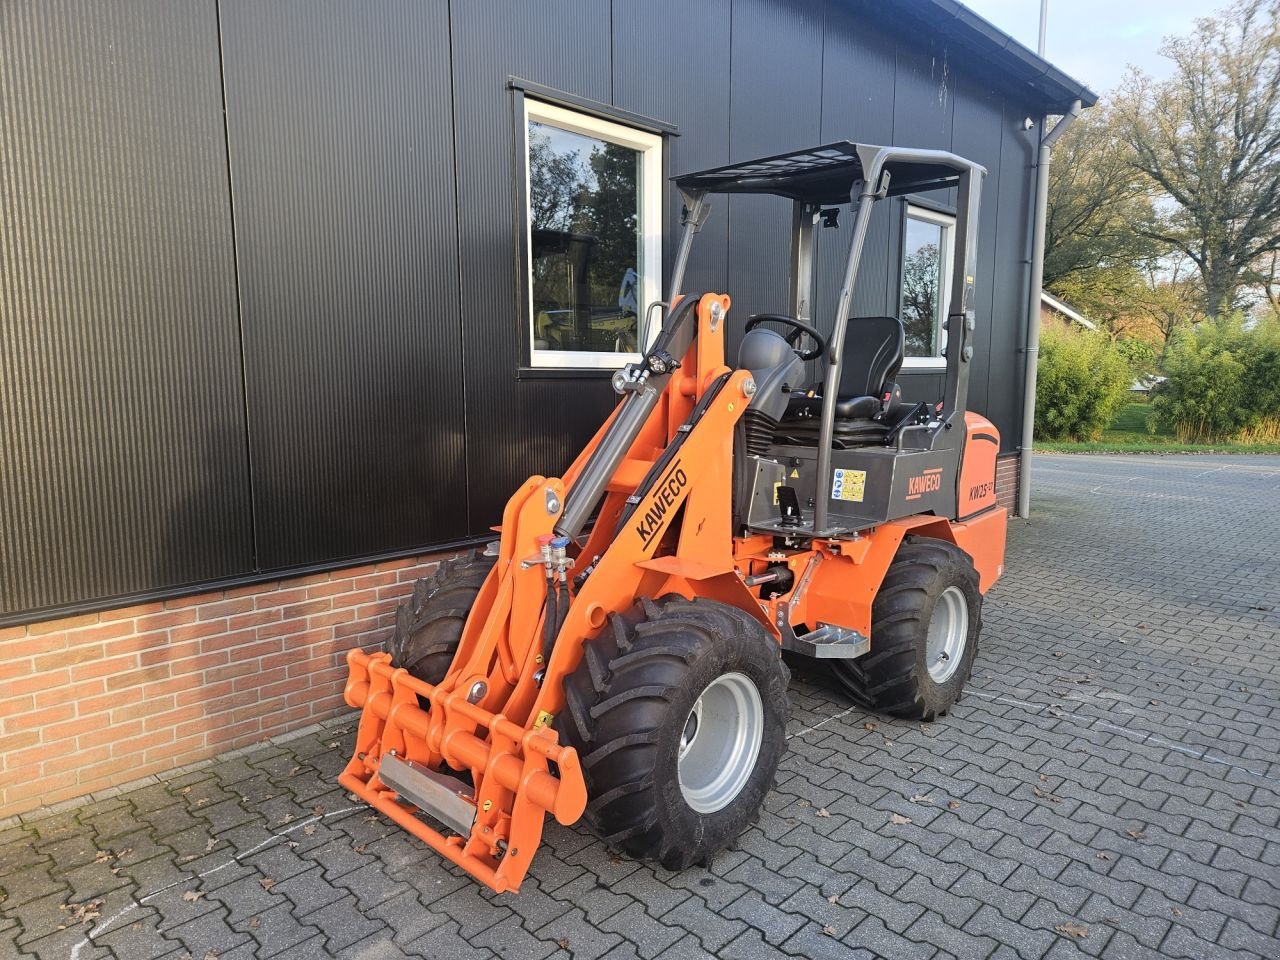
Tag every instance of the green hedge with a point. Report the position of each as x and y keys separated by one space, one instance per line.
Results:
x=1082 y=381
x=1222 y=382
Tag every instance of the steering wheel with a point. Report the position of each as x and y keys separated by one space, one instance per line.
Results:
x=799 y=329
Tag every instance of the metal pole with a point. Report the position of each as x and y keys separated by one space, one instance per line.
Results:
x=1047 y=141
x=835 y=350
x=1044 y=22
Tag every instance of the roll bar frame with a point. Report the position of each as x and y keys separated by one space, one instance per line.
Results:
x=874 y=176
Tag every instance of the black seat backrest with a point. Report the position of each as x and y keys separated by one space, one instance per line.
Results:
x=873 y=348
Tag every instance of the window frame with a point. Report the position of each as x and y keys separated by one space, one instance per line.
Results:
x=650 y=146
x=947 y=221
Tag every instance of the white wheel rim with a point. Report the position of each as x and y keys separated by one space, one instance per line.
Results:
x=948 y=634
x=720 y=742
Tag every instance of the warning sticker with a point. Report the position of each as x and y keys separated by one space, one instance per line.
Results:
x=848 y=485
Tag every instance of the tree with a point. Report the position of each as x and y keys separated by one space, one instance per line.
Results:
x=920 y=299
x=1170 y=298
x=1210 y=138
x=1098 y=201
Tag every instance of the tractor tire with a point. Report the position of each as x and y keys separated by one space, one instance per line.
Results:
x=429 y=624
x=678 y=712
x=925 y=622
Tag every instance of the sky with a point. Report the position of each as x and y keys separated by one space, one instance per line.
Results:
x=1095 y=40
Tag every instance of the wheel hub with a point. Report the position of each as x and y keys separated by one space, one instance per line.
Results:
x=720 y=742
x=948 y=634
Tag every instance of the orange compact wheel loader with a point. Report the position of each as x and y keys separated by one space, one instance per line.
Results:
x=616 y=655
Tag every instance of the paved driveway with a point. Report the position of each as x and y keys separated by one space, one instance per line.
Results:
x=1109 y=787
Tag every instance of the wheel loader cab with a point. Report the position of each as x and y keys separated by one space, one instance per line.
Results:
x=615 y=656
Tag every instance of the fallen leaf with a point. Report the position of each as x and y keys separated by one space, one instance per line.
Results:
x=191 y=896
x=803 y=803
x=210 y=955
x=115 y=872
x=210 y=845
x=1113 y=921
x=1072 y=929
x=1059 y=653
x=920 y=798
x=255 y=923
x=188 y=858
x=294 y=770
x=834 y=898
x=102 y=857
x=869 y=725
x=185 y=790
x=359 y=848
x=898 y=818
x=85 y=912
x=334 y=743
x=1104 y=856
x=1175 y=911
x=293 y=844
x=1045 y=796
x=1083 y=679
x=824 y=812
x=615 y=859
x=888 y=742
x=288 y=818
x=563 y=943
x=309 y=829
x=1136 y=834
x=318 y=810
x=1044 y=778
x=266 y=882
x=202 y=801
x=829 y=931
x=953 y=805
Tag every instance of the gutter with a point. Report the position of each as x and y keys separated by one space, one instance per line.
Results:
x=1033 y=304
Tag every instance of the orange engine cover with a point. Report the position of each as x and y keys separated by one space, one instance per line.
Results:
x=978 y=467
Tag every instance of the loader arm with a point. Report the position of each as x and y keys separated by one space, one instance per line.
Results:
x=664 y=454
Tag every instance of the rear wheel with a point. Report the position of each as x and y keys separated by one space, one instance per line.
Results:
x=429 y=624
x=925 y=623
x=678 y=712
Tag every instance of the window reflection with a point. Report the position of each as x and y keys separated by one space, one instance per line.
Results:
x=584 y=203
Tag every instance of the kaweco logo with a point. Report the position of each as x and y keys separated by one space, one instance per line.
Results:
x=927 y=482
x=662 y=503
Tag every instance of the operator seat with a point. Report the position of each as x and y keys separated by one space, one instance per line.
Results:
x=873 y=351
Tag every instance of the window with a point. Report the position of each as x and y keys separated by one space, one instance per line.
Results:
x=926 y=276
x=594 y=195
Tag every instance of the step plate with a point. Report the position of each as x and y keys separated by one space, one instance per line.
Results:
x=438 y=795
x=828 y=642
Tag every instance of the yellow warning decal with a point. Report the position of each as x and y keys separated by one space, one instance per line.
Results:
x=848 y=485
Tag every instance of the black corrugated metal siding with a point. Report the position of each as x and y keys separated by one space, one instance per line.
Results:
x=518 y=426
x=372 y=153
x=122 y=436
x=340 y=127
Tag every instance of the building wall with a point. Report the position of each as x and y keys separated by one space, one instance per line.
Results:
x=95 y=700
x=235 y=348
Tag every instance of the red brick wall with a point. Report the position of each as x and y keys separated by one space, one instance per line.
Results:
x=1007 y=481
x=93 y=701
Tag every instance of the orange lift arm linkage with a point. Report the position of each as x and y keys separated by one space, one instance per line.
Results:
x=492 y=713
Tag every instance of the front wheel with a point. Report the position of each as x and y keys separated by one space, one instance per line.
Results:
x=925 y=622
x=678 y=712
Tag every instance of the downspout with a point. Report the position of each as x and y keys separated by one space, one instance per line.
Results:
x=1033 y=305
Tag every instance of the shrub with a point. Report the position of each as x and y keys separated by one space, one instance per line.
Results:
x=1082 y=381
x=1222 y=382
